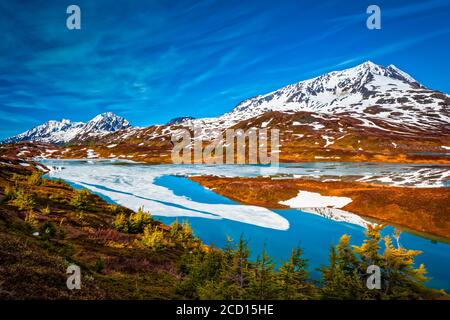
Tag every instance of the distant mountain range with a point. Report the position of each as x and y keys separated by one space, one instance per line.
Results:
x=65 y=131
x=179 y=120
x=365 y=113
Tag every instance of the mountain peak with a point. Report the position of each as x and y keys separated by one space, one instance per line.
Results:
x=390 y=71
x=369 y=65
x=365 y=68
x=105 y=115
x=107 y=122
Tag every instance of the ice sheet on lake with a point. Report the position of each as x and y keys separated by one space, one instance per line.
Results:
x=133 y=187
x=399 y=174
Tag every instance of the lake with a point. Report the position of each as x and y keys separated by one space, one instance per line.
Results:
x=168 y=194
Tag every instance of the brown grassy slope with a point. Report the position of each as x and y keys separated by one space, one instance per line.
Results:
x=34 y=268
x=300 y=142
x=421 y=209
x=351 y=141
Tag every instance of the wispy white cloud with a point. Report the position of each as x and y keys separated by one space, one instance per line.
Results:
x=394 y=47
x=15 y=118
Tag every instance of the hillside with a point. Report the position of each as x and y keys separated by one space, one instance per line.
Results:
x=46 y=225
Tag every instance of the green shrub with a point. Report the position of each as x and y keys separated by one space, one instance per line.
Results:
x=120 y=223
x=35 y=179
x=153 y=238
x=46 y=211
x=9 y=192
x=99 y=266
x=138 y=221
x=30 y=219
x=115 y=209
x=181 y=233
x=48 y=230
x=81 y=199
x=175 y=229
x=135 y=223
x=23 y=199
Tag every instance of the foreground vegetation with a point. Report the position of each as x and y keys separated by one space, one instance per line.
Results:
x=229 y=274
x=46 y=225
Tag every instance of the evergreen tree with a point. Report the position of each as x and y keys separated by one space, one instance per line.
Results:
x=294 y=278
x=175 y=228
x=211 y=273
x=241 y=265
x=181 y=234
x=370 y=248
x=346 y=276
x=400 y=278
x=201 y=270
x=264 y=284
x=342 y=278
x=235 y=270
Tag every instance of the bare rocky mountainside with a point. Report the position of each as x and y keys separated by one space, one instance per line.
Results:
x=365 y=113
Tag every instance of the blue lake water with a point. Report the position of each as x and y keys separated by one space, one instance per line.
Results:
x=314 y=234
x=167 y=190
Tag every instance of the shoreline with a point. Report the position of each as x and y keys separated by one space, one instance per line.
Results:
x=423 y=210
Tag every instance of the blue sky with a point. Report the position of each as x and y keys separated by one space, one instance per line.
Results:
x=150 y=61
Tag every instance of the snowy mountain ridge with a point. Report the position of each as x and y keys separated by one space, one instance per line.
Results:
x=64 y=131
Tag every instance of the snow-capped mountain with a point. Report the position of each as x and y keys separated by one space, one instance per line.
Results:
x=365 y=113
x=179 y=120
x=358 y=113
x=364 y=91
x=65 y=131
x=106 y=122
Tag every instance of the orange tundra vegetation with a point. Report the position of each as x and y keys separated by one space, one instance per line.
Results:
x=420 y=209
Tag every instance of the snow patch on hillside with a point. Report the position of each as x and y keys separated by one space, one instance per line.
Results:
x=305 y=199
